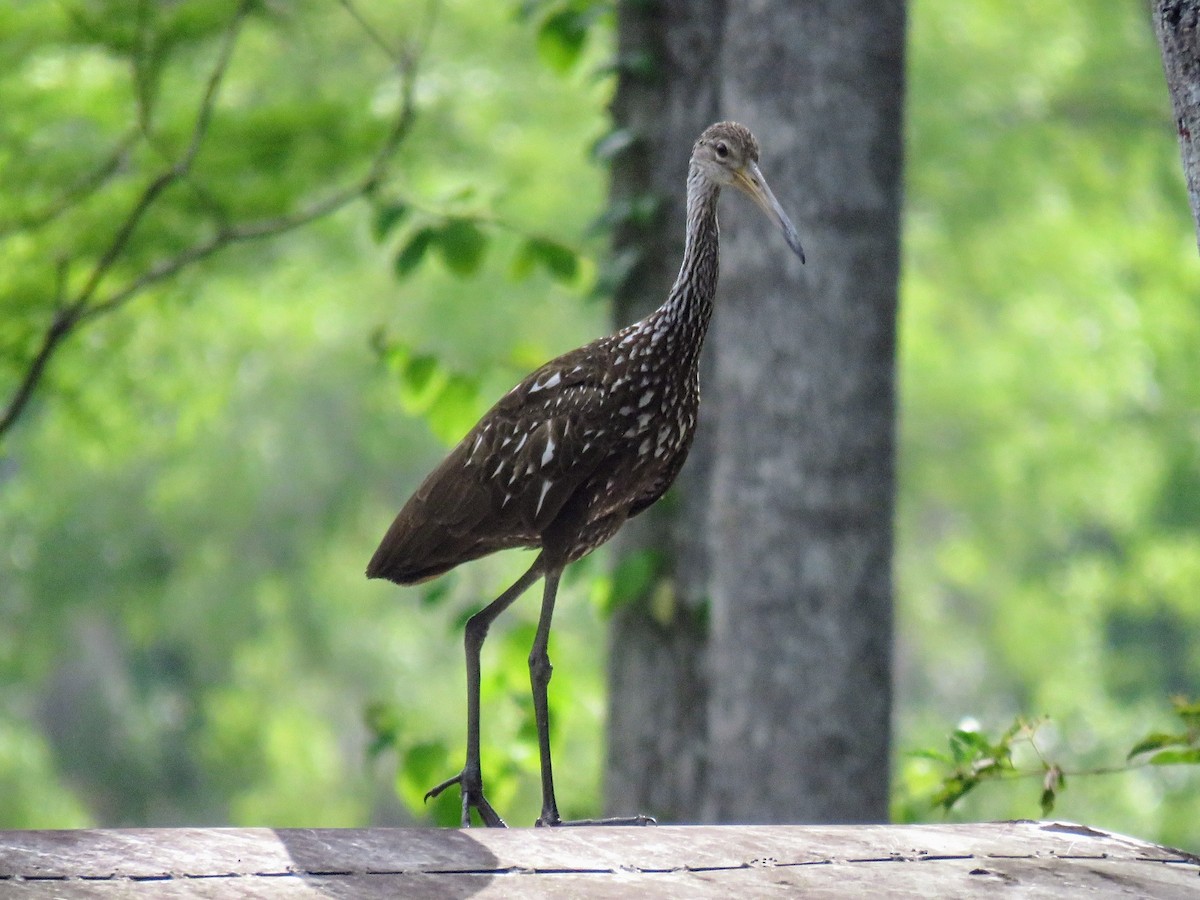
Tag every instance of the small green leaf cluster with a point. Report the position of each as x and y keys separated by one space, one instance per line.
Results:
x=974 y=757
x=461 y=242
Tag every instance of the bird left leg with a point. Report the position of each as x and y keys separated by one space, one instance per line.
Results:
x=540 y=671
x=539 y=677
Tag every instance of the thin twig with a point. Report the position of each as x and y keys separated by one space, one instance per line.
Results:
x=367 y=27
x=172 y=174
x=69 y=315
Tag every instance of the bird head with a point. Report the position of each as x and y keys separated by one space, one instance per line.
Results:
x=727 y=153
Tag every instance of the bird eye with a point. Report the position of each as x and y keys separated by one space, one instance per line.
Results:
x=721 y=149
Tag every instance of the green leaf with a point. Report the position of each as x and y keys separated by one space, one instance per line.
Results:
x=1189 y=756
x=413 y=251
x=966 y=746
x=424 y=765
x=1189 y=711
x=954 y=789
x=559 y=260
x=387 y=217
x=419 y=372
x=435 y=592
x=561 y=38
x=421 y=383
x=630 y=581
x=1155 y=741
x=934 y=755
x=462 y=244
x=634 y=575
x=455 y=409
x=383 y=723
x=1053 y=782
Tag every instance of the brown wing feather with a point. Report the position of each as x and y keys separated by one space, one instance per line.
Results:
x=506 y=480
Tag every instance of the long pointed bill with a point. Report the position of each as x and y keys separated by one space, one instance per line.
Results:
x=751 y=180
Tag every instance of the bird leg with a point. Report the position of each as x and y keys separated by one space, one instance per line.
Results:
x=540 y=671
x=470 y=779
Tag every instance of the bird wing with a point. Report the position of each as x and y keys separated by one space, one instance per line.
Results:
x=508 y=478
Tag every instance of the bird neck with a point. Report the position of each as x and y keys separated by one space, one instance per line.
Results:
x=689 y=306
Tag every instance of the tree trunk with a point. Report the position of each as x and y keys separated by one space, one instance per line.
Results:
x=657 y=720
x=758 y=687
x=1177 y=24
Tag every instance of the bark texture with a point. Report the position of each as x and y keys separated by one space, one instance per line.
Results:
x=657 y=720
x=756 y=685
x=1177 y=24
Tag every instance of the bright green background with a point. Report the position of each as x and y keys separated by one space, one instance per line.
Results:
x=186 y=511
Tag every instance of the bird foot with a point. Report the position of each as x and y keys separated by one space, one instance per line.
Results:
x=472 y=797
x=616 y=820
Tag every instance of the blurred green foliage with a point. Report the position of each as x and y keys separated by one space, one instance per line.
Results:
x=187 y=509
x=1049 y=526
x=189 y=503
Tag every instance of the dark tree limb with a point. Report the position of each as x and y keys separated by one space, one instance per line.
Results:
x=1177 y=24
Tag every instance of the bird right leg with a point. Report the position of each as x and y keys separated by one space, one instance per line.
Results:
x=470 y=779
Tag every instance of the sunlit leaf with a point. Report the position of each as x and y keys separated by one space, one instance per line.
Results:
x=1188 y=756
x=422 y=766
x=456 y=408
x=561 y=38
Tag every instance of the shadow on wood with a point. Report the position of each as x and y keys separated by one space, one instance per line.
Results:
x=1026 y=859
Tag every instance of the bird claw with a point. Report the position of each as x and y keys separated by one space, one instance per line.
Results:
x=472 y=796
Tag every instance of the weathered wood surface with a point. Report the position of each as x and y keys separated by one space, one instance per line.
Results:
x=1015 y=859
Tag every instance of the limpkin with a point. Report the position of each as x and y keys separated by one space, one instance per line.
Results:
x=587 y=441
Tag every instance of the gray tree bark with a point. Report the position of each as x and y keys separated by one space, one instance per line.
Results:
x=755 y=683
x=1177 y=24
x=657 y=720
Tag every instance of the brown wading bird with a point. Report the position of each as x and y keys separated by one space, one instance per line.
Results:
x=584 y=443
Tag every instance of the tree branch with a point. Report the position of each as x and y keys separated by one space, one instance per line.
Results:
x=85 y=307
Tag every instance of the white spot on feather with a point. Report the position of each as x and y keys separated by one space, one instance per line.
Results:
x=548 y=383
x=546 y=485
x=521 y=443
x=646 y=398
x=549 y=452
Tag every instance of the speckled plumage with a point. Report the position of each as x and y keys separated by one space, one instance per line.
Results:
x=582 y=444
